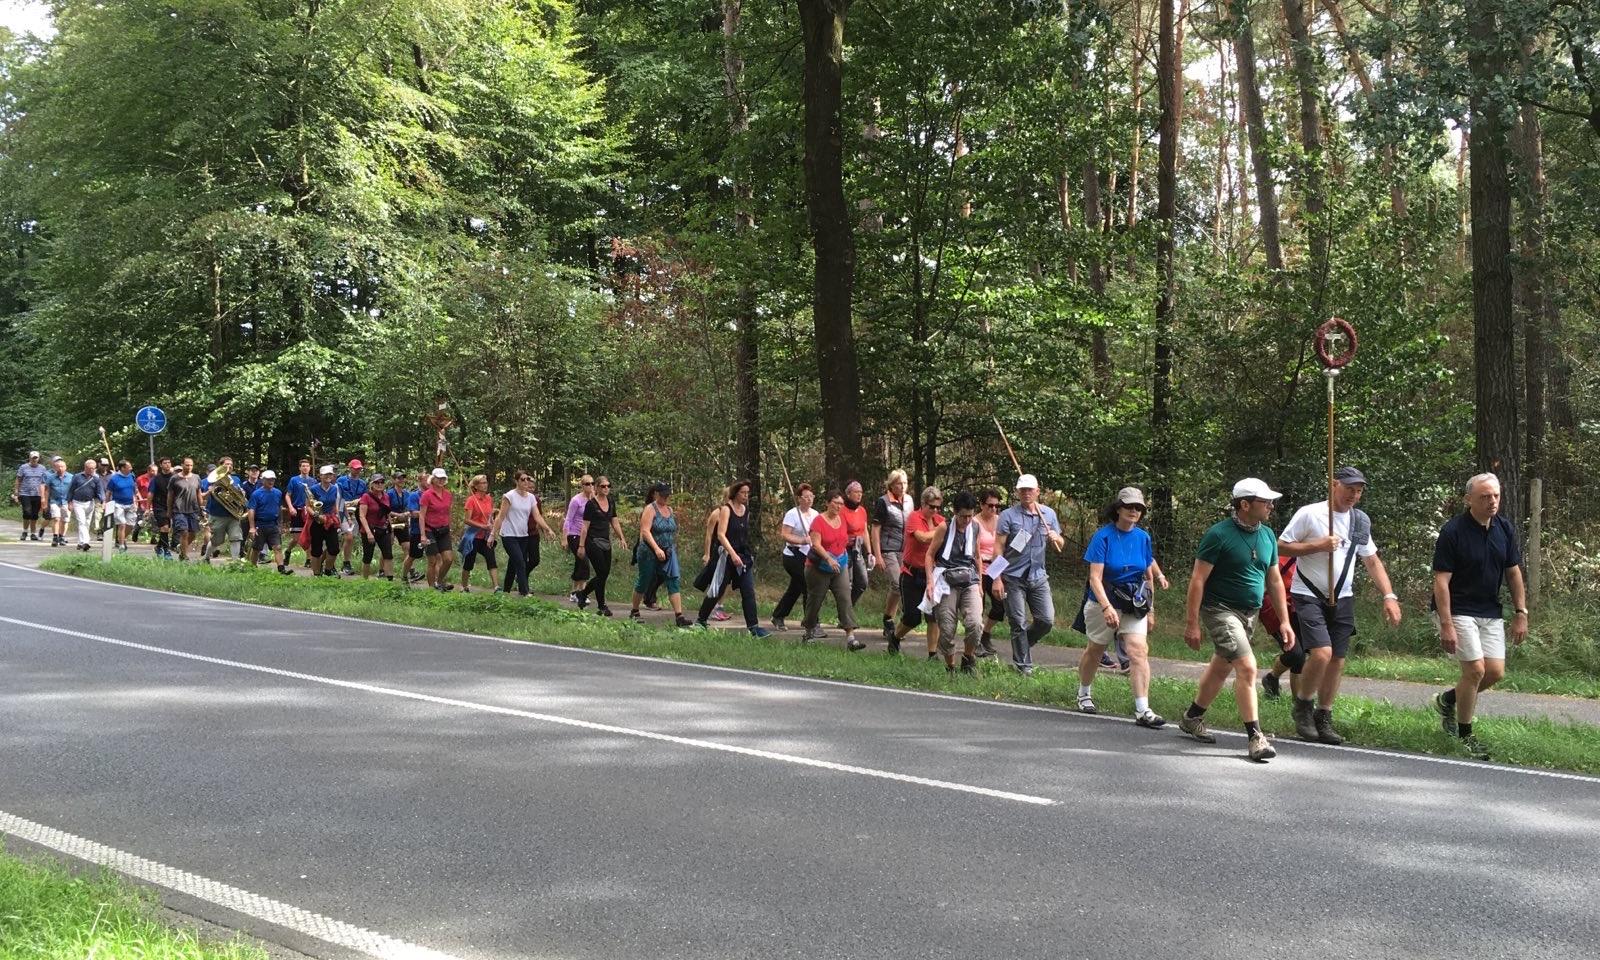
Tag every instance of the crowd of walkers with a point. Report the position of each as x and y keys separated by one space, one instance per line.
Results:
x=960 y=567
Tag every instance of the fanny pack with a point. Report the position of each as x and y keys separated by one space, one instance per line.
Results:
x=600 y=543
x=959 y=578
x=1130 y=599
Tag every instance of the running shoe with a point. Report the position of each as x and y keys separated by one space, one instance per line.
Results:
x=760 y=633
x=1196 y=727
x=854 y=644
x=1086 y=704
x=894 y=645
x=1474 y=747
x=1261 y=749
x=1124 y=667
x=1270 y=686
x=969 y=665
x=603 y=611
x=634 y=614
x=778 y=625
x=682 y=622
x=1106 y=663
x=1447 y=714
x=721 y=615
x=1151 y=720
x=985 y=647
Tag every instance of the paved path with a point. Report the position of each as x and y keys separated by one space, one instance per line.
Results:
x=489 y=799
x=1402 y=693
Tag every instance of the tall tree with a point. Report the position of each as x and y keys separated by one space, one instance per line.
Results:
x=832 y=237
x=1306 y=60
x=1169 y=77
x=1494 y=327
x=747 y=346
x=1255 y=118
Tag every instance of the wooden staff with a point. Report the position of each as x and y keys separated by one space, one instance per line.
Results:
x=104 y=442
x=1014 y=461
x=793 y=498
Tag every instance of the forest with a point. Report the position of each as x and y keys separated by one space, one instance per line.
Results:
x=816 y=239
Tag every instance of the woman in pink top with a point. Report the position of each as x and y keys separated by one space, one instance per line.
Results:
x=435 y=528
x=480 y=509
x=988 y=519
x=572 y=529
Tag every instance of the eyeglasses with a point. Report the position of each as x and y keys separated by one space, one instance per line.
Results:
x=605 y=486
x=588 y=483
x=993 y=503
x=935 y=503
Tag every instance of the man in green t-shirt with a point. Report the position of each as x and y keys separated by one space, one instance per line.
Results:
x=1235 y=565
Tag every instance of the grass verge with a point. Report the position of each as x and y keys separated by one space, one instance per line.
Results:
x=1529 y=742
x=49 y=913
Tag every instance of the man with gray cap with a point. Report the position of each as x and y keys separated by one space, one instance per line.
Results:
x=1021 y=534
x=1235 y=565
x=1326 y=614
x=26 y=493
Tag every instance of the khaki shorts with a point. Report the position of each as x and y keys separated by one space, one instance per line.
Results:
x=891 y=567
x=1094 y=625
x=1478 y=638
x=1228 y=630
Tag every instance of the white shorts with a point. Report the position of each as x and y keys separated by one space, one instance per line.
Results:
x=123 y=515
x=59 y=511
x=1479 y=638
x=348 y=527
x=1094 y=623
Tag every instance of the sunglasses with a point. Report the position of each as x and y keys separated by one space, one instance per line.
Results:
x=993 y=504
x=588 y=483
x=605 y=486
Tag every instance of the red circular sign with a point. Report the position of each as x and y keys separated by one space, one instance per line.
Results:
x=1336 y=343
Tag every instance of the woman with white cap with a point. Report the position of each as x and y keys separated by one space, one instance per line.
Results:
x=435 y=504
x=1119 y=601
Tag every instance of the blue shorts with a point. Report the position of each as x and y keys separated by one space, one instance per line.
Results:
x=186 y=523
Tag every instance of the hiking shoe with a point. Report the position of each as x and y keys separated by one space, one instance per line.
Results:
x=853 y=645
x=1447 y=714
x=682 y=622
x=894 y=645
x=817 y=633
x=1325 y=732
x=760 y=633
x=933 y=655
x=603 y=611
x=969 y=665
x=1150 y=720
x=1196 y=727
x=1086 y=704
x=888 y=630
x=1304 y=726
x=1261 y=749
x=1474 y=747
x=1270 y=685
x=777 y=625
x=985 y=647
x=635 y=615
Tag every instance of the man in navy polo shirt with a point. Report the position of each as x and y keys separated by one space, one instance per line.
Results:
x=351 y=489
x=1476 y=552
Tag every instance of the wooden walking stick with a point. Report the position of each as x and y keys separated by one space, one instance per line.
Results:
x=1336 y=346
x=1014 y=462
x=793 y=498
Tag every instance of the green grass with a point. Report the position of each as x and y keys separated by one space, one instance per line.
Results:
x=1533 y=742
x=47 y=913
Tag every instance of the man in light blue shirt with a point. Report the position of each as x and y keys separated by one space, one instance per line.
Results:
x=120 y=490
x=1021 y=535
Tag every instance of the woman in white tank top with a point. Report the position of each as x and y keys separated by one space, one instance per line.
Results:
x=514 y=524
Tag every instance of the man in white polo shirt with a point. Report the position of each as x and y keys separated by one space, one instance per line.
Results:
x=1326 y=614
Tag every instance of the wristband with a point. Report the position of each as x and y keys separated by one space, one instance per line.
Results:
x=1391 y=596
x=1522 y=612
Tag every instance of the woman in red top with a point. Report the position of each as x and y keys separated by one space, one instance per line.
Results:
x=855 y=522
x=828 y=571
x=434 y=530
x=372 y=517
x=480 y=507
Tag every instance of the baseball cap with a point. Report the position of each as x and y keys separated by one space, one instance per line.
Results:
x=1027 y=482
x=355 y=464
x=268 y=475
x=1255 y=489
x=379 y=478
x=439 y=473
x=1348 y=475
x=326 y=468
x=1130 y=497
x=33 y=454
x=57 y=459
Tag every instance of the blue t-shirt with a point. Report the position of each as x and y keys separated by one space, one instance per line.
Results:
x=297 y=491
x=122 y=488
x=414 y=505
x=328 y=497
x=351 y=488
x=59 y=487
x=266 y=503
x=213 y=505
x=32 y=477
x=1126 y=555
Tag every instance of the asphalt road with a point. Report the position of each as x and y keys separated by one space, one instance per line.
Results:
x=490 y=799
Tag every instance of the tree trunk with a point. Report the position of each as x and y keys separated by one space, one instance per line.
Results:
x=1305 y=71
x=748 y=398
x=1494 y=331
x=1099 y=353
x=1244 y=48
x=1136 y=74
x=832 y=239
x=1532 y=281
x=1169 y=75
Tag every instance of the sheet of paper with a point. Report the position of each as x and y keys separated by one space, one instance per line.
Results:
x=997 y=566
x=1020 y=541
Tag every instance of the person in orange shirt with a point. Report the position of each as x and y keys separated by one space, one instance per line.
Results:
x=922 y=526
x=480 y=508
x=855 y=524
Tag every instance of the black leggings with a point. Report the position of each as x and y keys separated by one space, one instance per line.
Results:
x=522 y=555
x=382 y=541
x=324 y=539
x=599 y=571
x=795 y=567
x=480 y=548
x=747 y=592
x=580 y=565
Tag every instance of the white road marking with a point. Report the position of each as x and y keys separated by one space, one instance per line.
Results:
x=815 y=681
x=549 y=717
x=275 y=912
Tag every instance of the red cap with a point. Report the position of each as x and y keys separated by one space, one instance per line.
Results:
x=355 y=464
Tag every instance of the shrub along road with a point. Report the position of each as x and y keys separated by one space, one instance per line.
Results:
x=494 y=799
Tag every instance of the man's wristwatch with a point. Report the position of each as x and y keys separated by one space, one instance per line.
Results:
x=1391 y=596
x=1522 y=611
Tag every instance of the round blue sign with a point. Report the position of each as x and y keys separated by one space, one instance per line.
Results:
x=151 y=420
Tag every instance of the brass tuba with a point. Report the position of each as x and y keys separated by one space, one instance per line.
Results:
x=230 y=496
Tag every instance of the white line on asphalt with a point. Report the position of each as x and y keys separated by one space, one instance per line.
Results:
x=550 y=718
x=275 y=912
x=816 y=681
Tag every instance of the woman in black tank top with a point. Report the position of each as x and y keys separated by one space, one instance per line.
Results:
x=732 y=561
